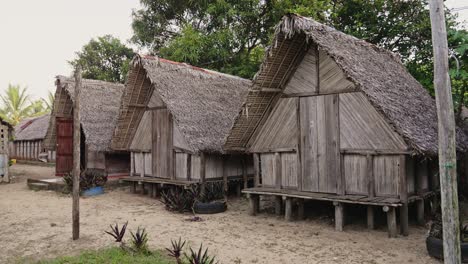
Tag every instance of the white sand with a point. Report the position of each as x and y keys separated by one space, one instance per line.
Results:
x=38 y=225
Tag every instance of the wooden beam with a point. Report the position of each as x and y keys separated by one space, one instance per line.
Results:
x=339 y=216
x=76 y=156
x=270 y=90
x=391 y=222
x=254 y=204
x=274 y=150
x=370 y=175
x=278 y=170
x=403 y=191
x=288 y=209
x=366 y=152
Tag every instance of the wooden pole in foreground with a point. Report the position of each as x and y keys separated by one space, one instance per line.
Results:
x=447 y=140
x=76 y=156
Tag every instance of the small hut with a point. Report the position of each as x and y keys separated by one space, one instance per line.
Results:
x=174 y=119
x=334 y=118
x=29 y=138
x=99 y=110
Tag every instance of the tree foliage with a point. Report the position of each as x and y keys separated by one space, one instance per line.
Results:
x=16 y=105
x=105 y=58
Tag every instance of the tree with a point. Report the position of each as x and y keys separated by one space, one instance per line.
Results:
x=16 y=105
x=105 y=58
x=49 y=102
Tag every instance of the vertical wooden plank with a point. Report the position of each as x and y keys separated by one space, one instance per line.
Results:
x=278 y=170
x=189 y=167
x=322 y=141
x=142 y=173
x=339 y=216
x=132 y=164
x=308 y=131
x=171 y=153
x=403 y=196
x=391 y=222
x=370 y=175
x=256 y=161
x=341 y=184
x=299 y=146
x=288 y=209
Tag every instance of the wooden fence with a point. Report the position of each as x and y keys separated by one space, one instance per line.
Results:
x=30 y=150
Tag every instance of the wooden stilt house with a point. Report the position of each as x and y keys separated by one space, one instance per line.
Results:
x=174 y=119
x=100 y=103
x=334 y=118
x=6 y=129
x=28 y=141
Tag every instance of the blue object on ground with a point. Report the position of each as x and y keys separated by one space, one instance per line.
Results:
x=98 y=190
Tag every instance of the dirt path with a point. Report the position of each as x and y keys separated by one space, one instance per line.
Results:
x=38 y=225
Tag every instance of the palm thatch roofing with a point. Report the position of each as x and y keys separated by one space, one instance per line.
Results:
x=100 y=103
x=203 y=103
x=34 y=128
x=378 y=73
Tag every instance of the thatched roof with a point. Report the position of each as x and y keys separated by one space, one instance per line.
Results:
x=203 y=103
x=34 y=128
x=378 y=73
x=100 y=103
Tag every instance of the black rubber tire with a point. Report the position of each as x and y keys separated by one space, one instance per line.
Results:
x=435 y=249
x=209 y=208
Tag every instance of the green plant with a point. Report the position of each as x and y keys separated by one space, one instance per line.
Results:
x=213 y=191
x=178 y=199
x=176 y=250
x=117 y=233
x=200 y=257
x=88 y=178
x=140 y=240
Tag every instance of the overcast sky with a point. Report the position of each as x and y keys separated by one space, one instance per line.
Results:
x=38 y=37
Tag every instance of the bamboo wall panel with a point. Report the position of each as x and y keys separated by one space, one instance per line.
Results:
x=268 y=169
x=331 y=77
x=386 y=174
x=162 y=143
x=148 y=163
x=355 y=174
x=195 y=167
x=142 y=138
x=280 y=130
x=179 y=139
x=138 y=162
x=289 y=170
x=181 y=165
x=320 y=147
x=362 y=127
x=305 y=78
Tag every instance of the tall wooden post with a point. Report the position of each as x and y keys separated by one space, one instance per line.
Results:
x=76 y=156
x=447 y=142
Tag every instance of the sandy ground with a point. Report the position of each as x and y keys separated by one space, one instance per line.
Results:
x=38 y=225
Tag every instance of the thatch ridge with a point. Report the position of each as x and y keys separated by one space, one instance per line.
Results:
x=380 y=75
x=34 y=128
x=100 y=103
x=203 y=103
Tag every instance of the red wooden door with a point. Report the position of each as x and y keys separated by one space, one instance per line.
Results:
x=64 y=158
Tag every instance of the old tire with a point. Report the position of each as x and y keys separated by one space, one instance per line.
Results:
x=435 y=249
x=209 y=208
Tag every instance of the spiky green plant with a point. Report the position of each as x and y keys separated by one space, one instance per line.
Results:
x=15 y=104
x=117 y=233
x=140 y=240
x=176 y=250
x=200 y=257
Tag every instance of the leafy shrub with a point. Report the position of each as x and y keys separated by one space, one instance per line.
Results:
x=200 y=257
x=117 y=233
x=140 y=240
x=88 y=178
x=213 y=191
x=178 y=199
x=176 y=250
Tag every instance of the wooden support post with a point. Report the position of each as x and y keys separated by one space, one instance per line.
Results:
x=446 y=135
x=403 y=190
x=420 y=212
x=254 y=204
x=288 y=209
x=300 y=209
x=391 y=221
x=339 y=216
x=256 y=161
x=370 y=217
x=76 y=156
x=278 y=205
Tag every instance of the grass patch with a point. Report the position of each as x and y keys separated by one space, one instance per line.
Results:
x=111 y=256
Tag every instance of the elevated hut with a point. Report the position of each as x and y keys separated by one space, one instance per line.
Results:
x=100 y=103
x=334 y=118
x=174 y=119
x=28 y=140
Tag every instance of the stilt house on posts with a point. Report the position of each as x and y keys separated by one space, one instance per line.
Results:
x=6 y=130
x=99 y=110
x=174 y=119
x=334 y=118
x=28 y=141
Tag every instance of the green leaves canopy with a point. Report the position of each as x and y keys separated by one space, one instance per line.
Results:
x=16 y=105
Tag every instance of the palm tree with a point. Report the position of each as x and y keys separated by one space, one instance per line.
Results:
x=49 y=102
x=16 y=104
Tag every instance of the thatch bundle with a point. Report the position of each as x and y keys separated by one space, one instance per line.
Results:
x=378 y=73
x=203 y=103
x=99 y=110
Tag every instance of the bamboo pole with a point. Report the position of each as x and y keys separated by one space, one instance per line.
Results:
x=447 y=141
x=76 y=156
